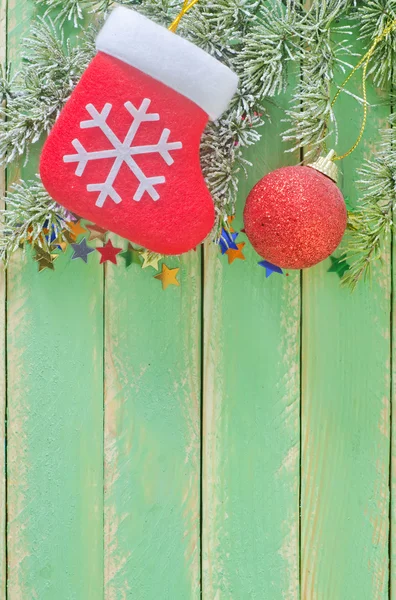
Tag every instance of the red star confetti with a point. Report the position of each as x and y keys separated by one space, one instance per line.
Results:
x=109 y=253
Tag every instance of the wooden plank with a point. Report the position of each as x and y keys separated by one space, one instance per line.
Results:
x=392 y=514
x=346 y=409
x=152 y=433
x=251 y=413
x=55 y=415
x=3 y=496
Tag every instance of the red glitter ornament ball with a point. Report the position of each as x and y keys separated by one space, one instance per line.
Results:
x=295 y=217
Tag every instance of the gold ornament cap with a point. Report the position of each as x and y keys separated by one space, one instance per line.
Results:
x=326 y=165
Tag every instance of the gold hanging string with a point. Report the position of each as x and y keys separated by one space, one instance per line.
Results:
x=187 y=4
x=363 y=61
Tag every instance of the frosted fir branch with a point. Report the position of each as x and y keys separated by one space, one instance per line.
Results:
x=373 y=18
x=50 y=71
x=30 y=213
x=162 y=12
x=7 y=84
x=372 y=223
x=222 y=158
x=219 y=27
x=235 y=14
x=74 y=11
x=69 y=10
x=219 y=164
x=267 y=48
x=311 y=113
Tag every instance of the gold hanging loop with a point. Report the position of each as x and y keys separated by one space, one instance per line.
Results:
x=187 y=4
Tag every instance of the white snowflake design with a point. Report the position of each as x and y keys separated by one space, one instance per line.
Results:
x=122 y=152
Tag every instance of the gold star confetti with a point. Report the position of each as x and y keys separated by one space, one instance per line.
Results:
x=69 y=236
x=29 y=237
x=150 y=259
x=167 y=276
x=233 y=254
x=59 y=243
x=75 y=229
x=44 y=259
x=96 y=233
x=40 y=238
x=41 y=254
x=229 y=221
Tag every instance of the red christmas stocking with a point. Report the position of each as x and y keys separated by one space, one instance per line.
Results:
x=124 y=153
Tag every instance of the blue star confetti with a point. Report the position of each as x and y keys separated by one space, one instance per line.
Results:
x=227 y=241
x=51 y=235
x=270 y=268
x=81 y=250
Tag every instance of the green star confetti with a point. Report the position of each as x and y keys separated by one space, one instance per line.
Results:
x=338 y=265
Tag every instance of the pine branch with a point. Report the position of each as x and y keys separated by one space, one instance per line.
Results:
x=222 y=158
x=74 y=11
x=372 y=223
x=29 y=214
x=311 y=113
x=374 y=17
x=267 y=48
x=36 y=96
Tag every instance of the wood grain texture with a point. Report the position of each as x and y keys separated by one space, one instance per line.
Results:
x=152 y=433
x=3 y=516
x=392 y=512
x=141 y=541
x=55 y=415
x=251 y=414
x=346 y=408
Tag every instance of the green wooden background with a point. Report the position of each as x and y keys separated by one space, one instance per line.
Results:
x=228 y=439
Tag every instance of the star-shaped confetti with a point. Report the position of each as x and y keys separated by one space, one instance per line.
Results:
x=44 y=259
x=131 y=256
x=59 y=243
x=31 y=239
x=230 y=220
x=234 y=254
x=81 y=250
x=227 y=241
x=75 y=228
x=167 y=276
x=150 y=259
x=270 y=268
x=339 y=265
x=69 y=237
x=96 y=232
x=109 y=253
x=50 y=233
